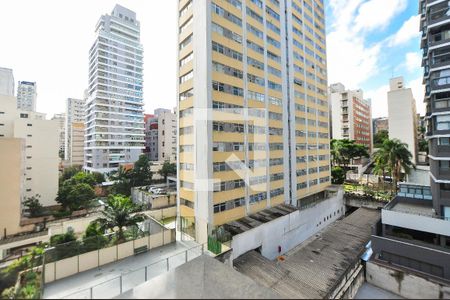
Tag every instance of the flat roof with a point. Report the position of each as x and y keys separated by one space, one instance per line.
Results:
x=312 y=269
x=201 y=278
x=249 y=222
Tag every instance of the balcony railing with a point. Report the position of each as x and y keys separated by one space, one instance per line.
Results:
x=438 y=15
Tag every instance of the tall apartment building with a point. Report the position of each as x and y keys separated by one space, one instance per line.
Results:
x=61 y=120
x=6 y=82
x=75 y=113
x=41 y=148
x=114 y=113
x=402 y=115
x=351 y=115
x=26 y=96
x=161 y=135
x=252 y=98
x=415 y=233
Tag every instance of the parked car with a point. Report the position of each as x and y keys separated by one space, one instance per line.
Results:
x=159 y=192
x=152 y=189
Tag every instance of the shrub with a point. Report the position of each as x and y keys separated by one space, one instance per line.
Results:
x=337 y=175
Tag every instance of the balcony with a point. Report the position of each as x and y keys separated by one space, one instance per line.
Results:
x=440 y=83
x=439 y=14
x=439 y=38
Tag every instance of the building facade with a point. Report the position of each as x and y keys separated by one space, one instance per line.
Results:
x=41 y=148
x=114 y=109
x=436 y=52
x=26 y=96
x=402 y=115
x=151 y=137
x=61 y=120
x=161 y=135
x=351 y=115
x=380 y=124
x=75 y=113
x=252 y=107
x=414 y=235
x=6 y=82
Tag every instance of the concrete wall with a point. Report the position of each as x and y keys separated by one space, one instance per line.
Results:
x=12 y=158
x=94 y=259
x=295 y=228
x=404 y=284
x=417 y=253
x=162 y=213
x=402 y=118
x=156 y=201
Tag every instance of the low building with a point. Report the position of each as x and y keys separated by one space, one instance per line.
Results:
x=411 y=236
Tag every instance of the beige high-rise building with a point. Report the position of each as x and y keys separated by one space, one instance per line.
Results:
x=252 y=107
x=61 y=120
x=41 y=148
x=77 y=144
x=75 y=114
x=12 y=160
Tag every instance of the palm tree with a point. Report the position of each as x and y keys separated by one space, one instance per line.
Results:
x=119 y=213
x=394 y=156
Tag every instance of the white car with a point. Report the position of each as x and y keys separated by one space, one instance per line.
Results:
x=152 y=189
x=159 y=191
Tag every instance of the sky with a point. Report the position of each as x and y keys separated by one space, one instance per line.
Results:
x=48 y=41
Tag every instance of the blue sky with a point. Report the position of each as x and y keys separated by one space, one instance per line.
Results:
x=369 y=41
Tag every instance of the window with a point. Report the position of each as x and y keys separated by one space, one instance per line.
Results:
x=443 y=122
x=24 y=116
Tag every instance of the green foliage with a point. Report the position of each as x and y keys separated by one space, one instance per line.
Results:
x=168 y=169
x=94 y=237
x=98 y=177
x=214 y=245
x=393 y=158
x=124 y=179
x=337 y=175
x=344 y=151
x=379 y=138
x=118 y=213
x=423 y=145
x=33 y=206
x=77 y=191
x=68 y=173
x=59 y=239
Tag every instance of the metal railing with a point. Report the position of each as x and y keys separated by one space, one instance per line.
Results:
x=120 y=284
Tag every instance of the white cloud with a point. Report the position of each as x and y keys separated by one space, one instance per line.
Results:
x=413 y=61
x=408 y=31
x=377 y=14
x=350 y=60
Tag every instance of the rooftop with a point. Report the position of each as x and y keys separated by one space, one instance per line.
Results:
x=202 y=278
x=249 y=222
x=326 y=255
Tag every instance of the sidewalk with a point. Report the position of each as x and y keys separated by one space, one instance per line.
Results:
x=106 y=280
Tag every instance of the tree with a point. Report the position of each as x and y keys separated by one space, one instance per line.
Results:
x=423 y=145
x=98 y=177
x=167 y=169
x=77 y=191
x=73 y=197
x=94 y=237
x=33 y=205
x=379 y=138
x=118 y=214
x=394 y=157
x=337 y=175
x=68 y=173
x=344 y=151
x=141 y=174
x=122 y=181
